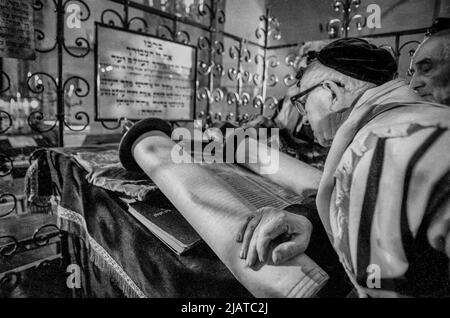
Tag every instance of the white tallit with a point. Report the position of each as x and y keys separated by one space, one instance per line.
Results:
x=407 y=147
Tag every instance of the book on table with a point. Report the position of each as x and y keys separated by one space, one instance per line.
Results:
x=162 y=219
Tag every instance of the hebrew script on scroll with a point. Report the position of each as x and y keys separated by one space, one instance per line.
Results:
x=216 y=198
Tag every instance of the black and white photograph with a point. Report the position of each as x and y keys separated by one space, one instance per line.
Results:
x=225 y=153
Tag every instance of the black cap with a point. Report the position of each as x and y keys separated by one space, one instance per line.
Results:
x=359 y=59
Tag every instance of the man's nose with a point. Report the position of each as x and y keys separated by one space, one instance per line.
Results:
x=416 y=82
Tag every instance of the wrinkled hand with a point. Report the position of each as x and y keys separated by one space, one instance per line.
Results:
x=287 y=233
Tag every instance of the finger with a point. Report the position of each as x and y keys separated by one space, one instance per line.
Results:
x=269 y=231
x=289 y=249
x=248 y=234
x=252 y=255
x=242 y=228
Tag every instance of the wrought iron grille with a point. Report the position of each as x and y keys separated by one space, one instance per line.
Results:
x=237 y=77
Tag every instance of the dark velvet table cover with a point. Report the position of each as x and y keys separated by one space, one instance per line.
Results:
x=119 y=257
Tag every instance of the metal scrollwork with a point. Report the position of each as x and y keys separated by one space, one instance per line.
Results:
x=229 y=116
x=245 y=99
x=204 y=68
x=246 y=76
x=35 y=118
x=79 y=91
x=44 y=241
x=219 y=47
x=257 y=79
x=200 y=114
x=111 y=21
x=273 y=22
x=258 y=101
x=275 y=34
x=203 y=93
x=3 y=200
x=220 y=15
x=233 y=97
x=272 y=25
x=6 y=250
x=203 y=43
x=40 y=36
x=246 y=55
x=8 y=82
x=139 y=19
x=233 y=74
x=289 y=80
x=201 y=10
x=5 y=169
x=273 y=61
x=79 y=116
x=163 y=31
x=259 y=59
x=271 y=102
x=290 y=59
x=410 y=52
x=217 y=95
x=218 y=70
x=116 y=126
x=234 y=52
x=183 y=37
x=5 y=121
x=38 y=5
x=38 y=86
x=273 y=80
x=259 y=33
x=81 y=43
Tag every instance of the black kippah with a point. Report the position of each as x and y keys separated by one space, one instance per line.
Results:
x=359 y=59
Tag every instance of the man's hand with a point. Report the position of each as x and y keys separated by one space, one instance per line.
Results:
x=287 y=233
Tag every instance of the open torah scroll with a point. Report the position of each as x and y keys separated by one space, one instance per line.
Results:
x=216 y=198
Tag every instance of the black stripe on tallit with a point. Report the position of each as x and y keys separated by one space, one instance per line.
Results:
x=440 y=193
x=368 y=210
x=427 y=273
x=405 y=231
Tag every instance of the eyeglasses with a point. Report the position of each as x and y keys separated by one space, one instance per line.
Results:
x=297 y=101
x=300 y=103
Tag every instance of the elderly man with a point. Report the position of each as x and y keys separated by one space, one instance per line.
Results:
x=430 y=65
x=384 y=195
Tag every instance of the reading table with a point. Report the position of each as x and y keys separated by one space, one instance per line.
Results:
x=118 y=256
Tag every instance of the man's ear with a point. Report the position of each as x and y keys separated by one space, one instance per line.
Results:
x=337 y=96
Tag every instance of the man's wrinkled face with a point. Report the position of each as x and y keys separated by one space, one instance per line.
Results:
x=322 y=119
x=431 y=71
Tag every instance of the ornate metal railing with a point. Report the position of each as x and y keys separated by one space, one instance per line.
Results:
x=212 y=51
x=237 y=77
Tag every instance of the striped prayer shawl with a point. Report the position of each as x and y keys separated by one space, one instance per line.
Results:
x=385 y=196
